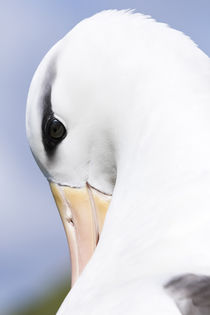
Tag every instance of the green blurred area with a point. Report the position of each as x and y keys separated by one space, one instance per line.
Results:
x=48 y=303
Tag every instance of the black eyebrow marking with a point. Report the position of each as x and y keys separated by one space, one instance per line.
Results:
x=49 y=145
x=191 y=293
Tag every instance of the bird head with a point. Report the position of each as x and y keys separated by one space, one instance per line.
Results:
x=102 y=104
x=73 y=117
x=113 y=111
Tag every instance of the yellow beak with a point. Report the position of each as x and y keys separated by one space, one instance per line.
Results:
x=83 y=212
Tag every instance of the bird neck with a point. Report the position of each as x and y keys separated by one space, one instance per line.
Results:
x=163 y=170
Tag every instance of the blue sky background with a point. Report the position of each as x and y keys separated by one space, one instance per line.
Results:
x=33 y=248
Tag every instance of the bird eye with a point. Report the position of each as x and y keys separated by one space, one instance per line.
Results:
x=55 y=129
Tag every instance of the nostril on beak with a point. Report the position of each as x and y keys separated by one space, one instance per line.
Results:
x=69 y=217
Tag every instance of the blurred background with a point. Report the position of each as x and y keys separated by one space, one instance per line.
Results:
x=34 y=258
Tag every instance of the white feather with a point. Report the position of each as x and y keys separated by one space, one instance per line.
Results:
x=143 y=89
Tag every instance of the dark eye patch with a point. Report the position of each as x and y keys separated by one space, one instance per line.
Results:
x=53 y=130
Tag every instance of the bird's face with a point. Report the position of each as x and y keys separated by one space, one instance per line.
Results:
x=71 y=137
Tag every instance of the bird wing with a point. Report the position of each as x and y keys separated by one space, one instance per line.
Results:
x=191 y=293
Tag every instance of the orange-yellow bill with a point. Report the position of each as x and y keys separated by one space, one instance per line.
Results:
x=83 y=212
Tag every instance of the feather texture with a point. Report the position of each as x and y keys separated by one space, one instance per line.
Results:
x=134 y=97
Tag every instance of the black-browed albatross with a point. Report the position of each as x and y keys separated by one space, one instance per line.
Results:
x=121 y=106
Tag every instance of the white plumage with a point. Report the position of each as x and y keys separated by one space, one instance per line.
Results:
x=134 y=96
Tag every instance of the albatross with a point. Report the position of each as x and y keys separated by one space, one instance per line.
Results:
x=118 y=120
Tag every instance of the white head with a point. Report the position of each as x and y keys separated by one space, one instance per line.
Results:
x=71 y=86
x=110 y=89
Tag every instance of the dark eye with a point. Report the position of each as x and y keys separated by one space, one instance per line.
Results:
x=55 y=130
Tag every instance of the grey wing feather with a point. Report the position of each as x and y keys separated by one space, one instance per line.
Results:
x=191 y=293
